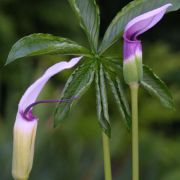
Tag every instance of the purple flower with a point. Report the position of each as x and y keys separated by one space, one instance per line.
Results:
x=132 y=46
x=26 y=123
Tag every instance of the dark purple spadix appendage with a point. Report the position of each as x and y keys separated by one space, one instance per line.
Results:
x=28 y=114
x=137 y=26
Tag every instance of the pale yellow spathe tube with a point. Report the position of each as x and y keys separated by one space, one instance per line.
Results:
x=23 y=148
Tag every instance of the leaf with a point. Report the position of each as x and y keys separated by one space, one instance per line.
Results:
x=44 y=44
x=133 y=9
x=76 y=85
x=102 y=104
x=154 y=85
x=120 y=98
x=87 y=12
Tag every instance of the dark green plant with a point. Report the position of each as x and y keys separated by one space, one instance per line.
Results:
x=96 y=59
x=98 y=65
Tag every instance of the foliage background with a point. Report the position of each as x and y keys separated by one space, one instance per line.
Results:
x=73 y=151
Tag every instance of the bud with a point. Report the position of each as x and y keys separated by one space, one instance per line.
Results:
x=132 y=66
x=23 y=147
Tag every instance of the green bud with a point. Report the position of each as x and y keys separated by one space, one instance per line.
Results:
x=132 y=70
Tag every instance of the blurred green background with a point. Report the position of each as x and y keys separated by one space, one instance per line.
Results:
x=74 y=151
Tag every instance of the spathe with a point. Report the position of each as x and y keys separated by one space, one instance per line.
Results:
x=26 y=124
x=132 y=49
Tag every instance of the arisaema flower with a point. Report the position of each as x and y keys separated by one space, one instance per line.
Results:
x=132 y=68
x=26 y=123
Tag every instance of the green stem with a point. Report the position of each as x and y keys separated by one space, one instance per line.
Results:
x=107 y=159
x=135 y=145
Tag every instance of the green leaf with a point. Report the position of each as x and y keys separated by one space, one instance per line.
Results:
x=115 y=84
x=77 y=84
x=154 y=85
x=133 y=9
x=44 y=44
x=102 y=104
x=87 y=12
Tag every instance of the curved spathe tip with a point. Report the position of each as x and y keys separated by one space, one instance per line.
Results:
x=144 y=22
x=34 y=90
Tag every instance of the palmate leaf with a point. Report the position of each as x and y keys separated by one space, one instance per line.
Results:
x=133 y=9
x=44 y=44
x=77 y=84
x=115 y=84
x=87 y=12
x=113 y=72
x=102 y=104
x=154 y=85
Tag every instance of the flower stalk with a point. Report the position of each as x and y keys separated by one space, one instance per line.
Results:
x=107 y=159
x=135 y=139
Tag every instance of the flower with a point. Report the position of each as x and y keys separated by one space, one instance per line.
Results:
x=132 y=66
x=26 y=123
